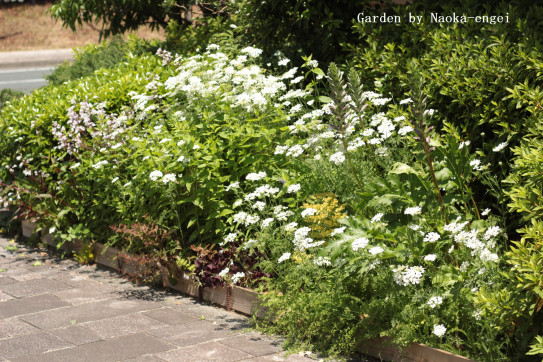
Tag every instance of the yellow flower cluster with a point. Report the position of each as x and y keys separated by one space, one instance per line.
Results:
x=325 y=220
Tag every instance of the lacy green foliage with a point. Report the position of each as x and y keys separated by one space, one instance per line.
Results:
x=93 y=57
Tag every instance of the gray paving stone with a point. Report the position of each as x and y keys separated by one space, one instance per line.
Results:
x=88 y=312
x=209 y=351
x=253 y=343
x=30 y=344
x=76 y=335
x=22 y=306
x=28 y=276
x=191 y=333
x=4 y=296
x=120 y=348
x=34 y=287
x=146 y=358
x=170 y=316
x=122 y=325
x=7 y=281
x=87 y=291
x=11 y=327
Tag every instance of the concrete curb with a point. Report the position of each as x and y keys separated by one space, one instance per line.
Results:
x=34 y=58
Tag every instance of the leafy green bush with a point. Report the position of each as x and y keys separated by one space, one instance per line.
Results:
x=93 y=57
x=7 y=95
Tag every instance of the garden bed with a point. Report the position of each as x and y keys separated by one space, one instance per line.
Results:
x=241 y=300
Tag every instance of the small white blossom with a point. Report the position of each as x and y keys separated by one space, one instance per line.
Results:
x=322 y=261
x=430 y=257
x=309 y=212
x=336 y=231
x=294 y=188
x=266 y=222
x=485 y=212
x=169 y=177
x=500 y=147
x=431 y=237
x=439 y=330
x=415 y=210
x=256 y=176
x=359 y=243
x=282 y=258
x=237 y=277
x=233 y=185
x=377 y=218
x=376 y=250
x=476 y=164
x=224 y=272
x=434 y=302
x=155 y=175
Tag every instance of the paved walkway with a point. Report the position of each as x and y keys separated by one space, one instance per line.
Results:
x=54 y=309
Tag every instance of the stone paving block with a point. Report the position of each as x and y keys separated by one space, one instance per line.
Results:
x=22 y=306
x=88 y=312
x=30 y=344
x=116 y=349
x=170 y=316
x=76 y=335
x=253 y=343
x=146 y=358
x=87 y=291
x=191 y=333
x=28 y=276
x=11 y=327
x=209 y=351
x=4 y=296
x=7 y=281
x=122 y=325
x=34 y=287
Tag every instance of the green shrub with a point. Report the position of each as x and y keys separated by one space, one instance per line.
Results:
x=7 y=95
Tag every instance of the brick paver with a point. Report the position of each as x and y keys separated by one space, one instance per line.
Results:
x=54 y=309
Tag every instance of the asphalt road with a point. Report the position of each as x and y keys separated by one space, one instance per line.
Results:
x=24 y=79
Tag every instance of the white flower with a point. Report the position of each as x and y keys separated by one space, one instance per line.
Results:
x=322 y=261
x=251 y=219
x=266 y=222
x=485 y=212
x=415 y=210
x=404 y=275
x=500 y=147
x=195 y=147
x=291 y=227
x=431 y=237
x=376 y=250
x=283 y=62
x=407 y=100
x=308 y=212
x=405 y=130
x=230 y=237
x=359 y=243
x=337 y=158
x=169 y=177
x=181 y=159
x=213 y=46
x=340 y=230
x=294 y=188
x=252 y=52
x=237 y=203
x=240 y=217
x=99 y=164
x=414 y=227
x=429 y=112
x=282 y=258
x=115 y=180
x=237 y=277
x=435 y=301
x=280 y=150
x=256 y=176
x=313 y=63
x=233 y=185
x=476 y=164
x=463 y=144
x=259 y=205
x=439 y=330
x=492 y=232
x=224 y=272
x=75 y=165
x=377 y=218
x=155 y=175
x=430 y=257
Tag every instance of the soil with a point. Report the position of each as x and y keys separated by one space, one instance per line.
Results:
x=29 y=27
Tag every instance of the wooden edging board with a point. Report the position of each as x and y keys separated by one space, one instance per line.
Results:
x=246 y=301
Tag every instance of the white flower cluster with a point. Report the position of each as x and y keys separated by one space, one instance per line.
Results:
x=322 y=261
x=471 y=240
x=439 y=330
x=405 y=275
x=282 y=258
x=434 y=302
x=415 y=210
x=359 y=243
